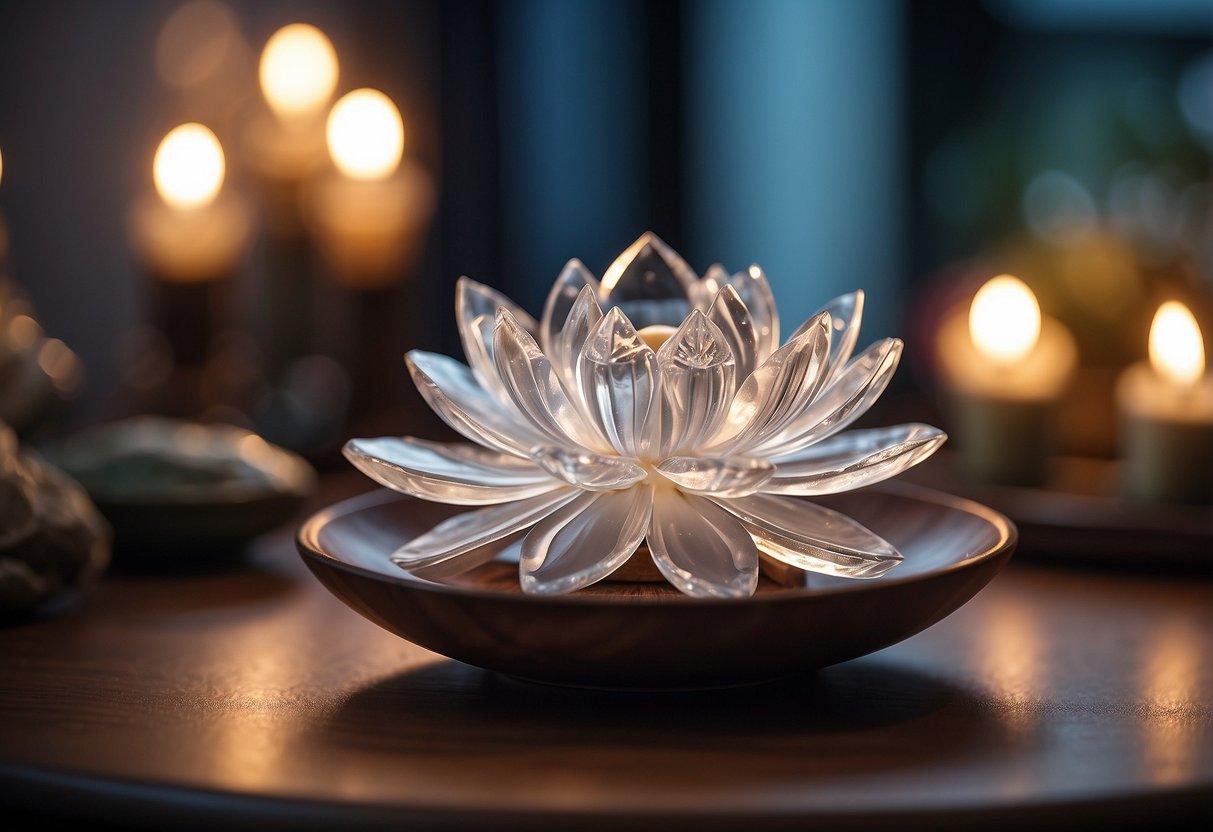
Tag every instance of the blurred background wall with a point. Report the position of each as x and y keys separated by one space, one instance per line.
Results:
x=840 y=144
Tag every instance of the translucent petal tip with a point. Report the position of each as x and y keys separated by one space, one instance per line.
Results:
x=615 y=340
x=698 y=344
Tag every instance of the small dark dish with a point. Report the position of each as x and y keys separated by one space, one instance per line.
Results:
x=1081 y=517
x=177 y=491
x=649 y=636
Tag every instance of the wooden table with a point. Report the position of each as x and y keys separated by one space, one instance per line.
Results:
x=251 y=698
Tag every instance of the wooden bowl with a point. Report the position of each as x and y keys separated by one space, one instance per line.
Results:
x=649 y=636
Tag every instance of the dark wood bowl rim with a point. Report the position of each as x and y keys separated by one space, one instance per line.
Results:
x=307 y=542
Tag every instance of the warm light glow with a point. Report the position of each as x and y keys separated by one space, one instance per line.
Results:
x=1176 y=350
x=365 y=135
x=188 y=168
x=1004 y=320
x=298 y=70
x=656 y=335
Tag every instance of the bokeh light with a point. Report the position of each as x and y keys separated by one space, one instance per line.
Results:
x=188 y=168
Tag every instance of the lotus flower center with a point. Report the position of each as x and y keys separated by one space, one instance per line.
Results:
x=656 y=335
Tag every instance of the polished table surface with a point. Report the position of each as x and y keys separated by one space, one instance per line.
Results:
x=250 y=697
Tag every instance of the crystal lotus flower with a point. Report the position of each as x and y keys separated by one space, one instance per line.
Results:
x=700 y=432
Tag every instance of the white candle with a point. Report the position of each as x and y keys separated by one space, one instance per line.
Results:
x=1166 y=414
x=190 y=230
x=371 y=212
x=1005 y=368
x=190 y=234
x=298 y=74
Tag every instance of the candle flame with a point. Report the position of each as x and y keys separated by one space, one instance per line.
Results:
x=189 y=166
x=1176 y=350
x=365 y=135
x=1004 y=319
x=298 y=70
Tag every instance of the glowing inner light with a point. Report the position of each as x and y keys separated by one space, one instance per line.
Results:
x=1004 y=319
x=1176 y=350
x=298 y=70
x=656 y=335
x=365 y=135
x=188 y=168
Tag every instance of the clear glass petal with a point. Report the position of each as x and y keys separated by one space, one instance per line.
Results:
x=755 y=292
x=583 y=318
x=476 y=301
x=584 y=541
x=590 y=471
x=534 y=387
x=812 y=537
x=730 y=314
x=650 y=282
x=734 y=476
x=479 y=352
x=565 y=292
x=618 y=373
x=697 y=371
x=846 y=314
x=700 y=549
x=854 y=459
x=706 y=289
x=465 y=533
x=458 y=473
x=846 y=399
x=778 y=391
x=449 y=387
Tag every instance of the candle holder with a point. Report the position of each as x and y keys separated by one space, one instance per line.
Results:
x=371 y=235
x=285 y=148
x=369 y=216
x=283 y=159
x=1005 y=369
x=190 y=237
x=1166 y=414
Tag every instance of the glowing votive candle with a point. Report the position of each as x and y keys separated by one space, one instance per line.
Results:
x=371 y=212
x=298 y=74
x=1166 y=414
x=190 y=230
x=1005 y=368
x=190 y=235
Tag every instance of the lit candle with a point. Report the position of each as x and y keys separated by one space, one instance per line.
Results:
x=190 y=235
x=1005 y=368
x=371 y=212
x=1166 y=414
x=369 y=215
x=298 y=73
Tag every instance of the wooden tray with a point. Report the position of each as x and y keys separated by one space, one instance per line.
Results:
x=1080 y=516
